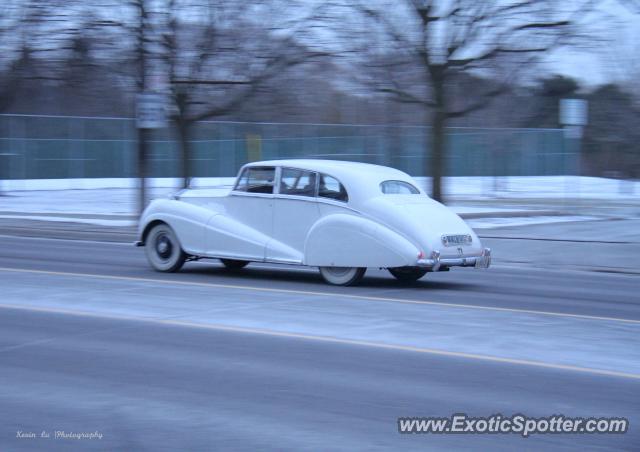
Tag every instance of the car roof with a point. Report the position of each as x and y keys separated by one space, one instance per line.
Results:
x=338 y=168
x=360 y=179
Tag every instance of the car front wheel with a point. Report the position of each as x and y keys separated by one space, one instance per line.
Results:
x=342 y=276
x=163 y=249
x=408 y=274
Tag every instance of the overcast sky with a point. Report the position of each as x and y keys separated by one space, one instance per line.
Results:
x=616 y=60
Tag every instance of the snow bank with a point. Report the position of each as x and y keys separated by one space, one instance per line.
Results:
x=456 y=187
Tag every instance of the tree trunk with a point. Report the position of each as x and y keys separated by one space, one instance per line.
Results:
x=142 y=170
x=438 y=139
x=142 y=78
x=185 y=152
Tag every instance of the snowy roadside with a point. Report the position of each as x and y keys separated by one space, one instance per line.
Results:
x=475 y=187
x=96 y=203
x=492 y=219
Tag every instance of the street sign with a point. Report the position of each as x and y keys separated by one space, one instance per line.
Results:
x=151 y=110
x=573 y=112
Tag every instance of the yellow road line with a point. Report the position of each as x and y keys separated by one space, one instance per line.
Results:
x=314 y=293
x=335 y=340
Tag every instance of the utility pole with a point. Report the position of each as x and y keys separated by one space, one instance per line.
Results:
x=151 y=102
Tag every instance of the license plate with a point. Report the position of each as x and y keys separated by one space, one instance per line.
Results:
x=456 y=240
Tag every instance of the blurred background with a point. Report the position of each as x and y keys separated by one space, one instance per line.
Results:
x=497 y=90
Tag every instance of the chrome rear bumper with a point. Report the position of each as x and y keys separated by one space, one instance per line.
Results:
x=435 y=263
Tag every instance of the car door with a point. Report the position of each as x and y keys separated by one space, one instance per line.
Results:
x=245 y=228
x=295 y=211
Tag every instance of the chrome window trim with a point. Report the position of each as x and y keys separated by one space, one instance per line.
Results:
x=296 y=197
x=276 y=180
x=252 y=195
x=286 y=195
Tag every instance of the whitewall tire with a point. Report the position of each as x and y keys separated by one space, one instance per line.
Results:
x=342 y=276
x=163 y=249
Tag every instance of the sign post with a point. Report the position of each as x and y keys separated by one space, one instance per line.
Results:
x=150 y=114
x=573 y=117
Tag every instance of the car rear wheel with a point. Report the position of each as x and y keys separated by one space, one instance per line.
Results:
x=163 y=249
x=234 y=264
x=408 y=274
x=342 y=276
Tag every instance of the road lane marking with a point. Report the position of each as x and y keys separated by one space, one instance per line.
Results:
x=315 y=293
x=542 y=239
x=331 y=340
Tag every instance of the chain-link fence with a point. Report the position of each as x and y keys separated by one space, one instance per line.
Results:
x=52 y=147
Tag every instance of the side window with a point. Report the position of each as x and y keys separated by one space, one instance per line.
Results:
x=256 y=180
x=297 y=182
x=330 y=187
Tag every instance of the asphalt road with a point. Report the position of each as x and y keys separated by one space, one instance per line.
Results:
x=519 y=287
x=153 y=387
x=272 y=358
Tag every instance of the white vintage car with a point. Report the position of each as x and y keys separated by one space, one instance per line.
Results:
x=339 y=216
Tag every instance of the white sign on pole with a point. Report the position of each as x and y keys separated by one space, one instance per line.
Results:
x=151 y=111
x=573 y=112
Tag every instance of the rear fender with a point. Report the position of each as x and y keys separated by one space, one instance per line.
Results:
x=344 y=240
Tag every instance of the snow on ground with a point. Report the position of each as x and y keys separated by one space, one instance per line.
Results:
x=63 y=219
x=480 y=210
x=478 y=223
x=94 y=200
x=539 y=187
x=497 y=222
x=456 y=187
x=123 y=201
x=101 y=183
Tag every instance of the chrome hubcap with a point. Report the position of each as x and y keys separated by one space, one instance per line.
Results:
x=338 y=271
x=163 y=246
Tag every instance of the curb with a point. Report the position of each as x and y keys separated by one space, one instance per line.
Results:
x=72 y=215
x=512 y=214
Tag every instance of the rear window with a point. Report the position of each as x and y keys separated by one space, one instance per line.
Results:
x=398 y=187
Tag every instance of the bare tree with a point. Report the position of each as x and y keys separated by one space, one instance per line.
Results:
x=216 y=62
x=8 y=25
x=611 y=138
x=17 y=63
x=17 y=19
x=140 y=33
x=428 y=43
x=633 y=5
x=620 y=59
